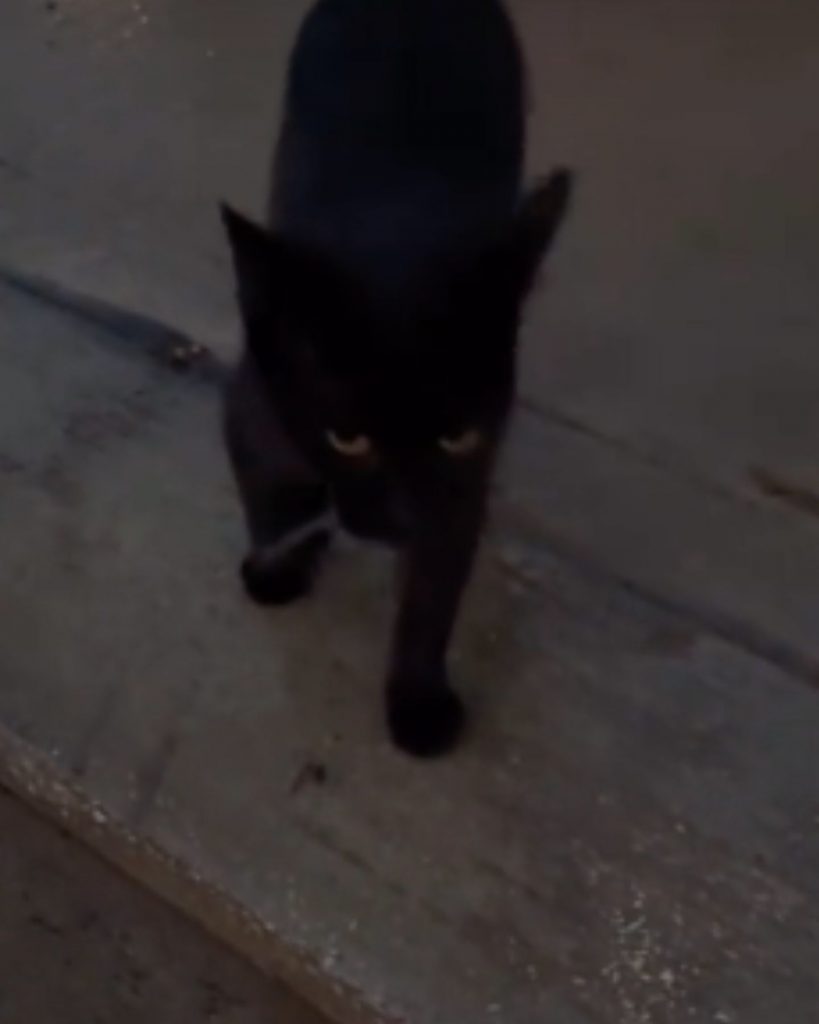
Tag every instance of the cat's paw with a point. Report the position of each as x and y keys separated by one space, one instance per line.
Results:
x=425 y=722
x=287 y=577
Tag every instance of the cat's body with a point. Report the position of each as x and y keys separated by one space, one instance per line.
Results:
x=403 y=135
x=381 y=308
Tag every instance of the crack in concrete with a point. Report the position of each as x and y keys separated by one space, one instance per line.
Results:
x=739 y=633
x=661 y=463
x=796 y=496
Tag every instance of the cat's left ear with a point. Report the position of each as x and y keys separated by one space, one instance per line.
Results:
x=533 y=233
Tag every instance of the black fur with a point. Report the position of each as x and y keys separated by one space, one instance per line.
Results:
x=381 y=303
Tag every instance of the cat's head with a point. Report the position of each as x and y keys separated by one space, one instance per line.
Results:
x=392 y=403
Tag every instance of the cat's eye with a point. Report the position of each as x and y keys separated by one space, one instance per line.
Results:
x=354 y=446
x=459 y=445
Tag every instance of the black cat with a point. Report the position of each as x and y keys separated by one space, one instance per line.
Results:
x=381 y=311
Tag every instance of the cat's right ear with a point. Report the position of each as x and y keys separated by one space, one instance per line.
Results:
x=253 y=251
x=279 y=282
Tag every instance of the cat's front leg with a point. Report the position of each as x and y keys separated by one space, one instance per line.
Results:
x=286 y=504
x=283 y=561
x=425 y=715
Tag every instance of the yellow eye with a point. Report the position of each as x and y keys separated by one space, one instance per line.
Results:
x=356 y=446
x=461 y=444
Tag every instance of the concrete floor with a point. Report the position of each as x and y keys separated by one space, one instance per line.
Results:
x=80 y=944
x=630 y=834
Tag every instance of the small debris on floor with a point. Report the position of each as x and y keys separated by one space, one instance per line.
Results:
x=183 y=355
x=313 y=773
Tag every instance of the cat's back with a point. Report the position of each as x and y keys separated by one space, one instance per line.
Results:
x=402 y=101
x=409 y=68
